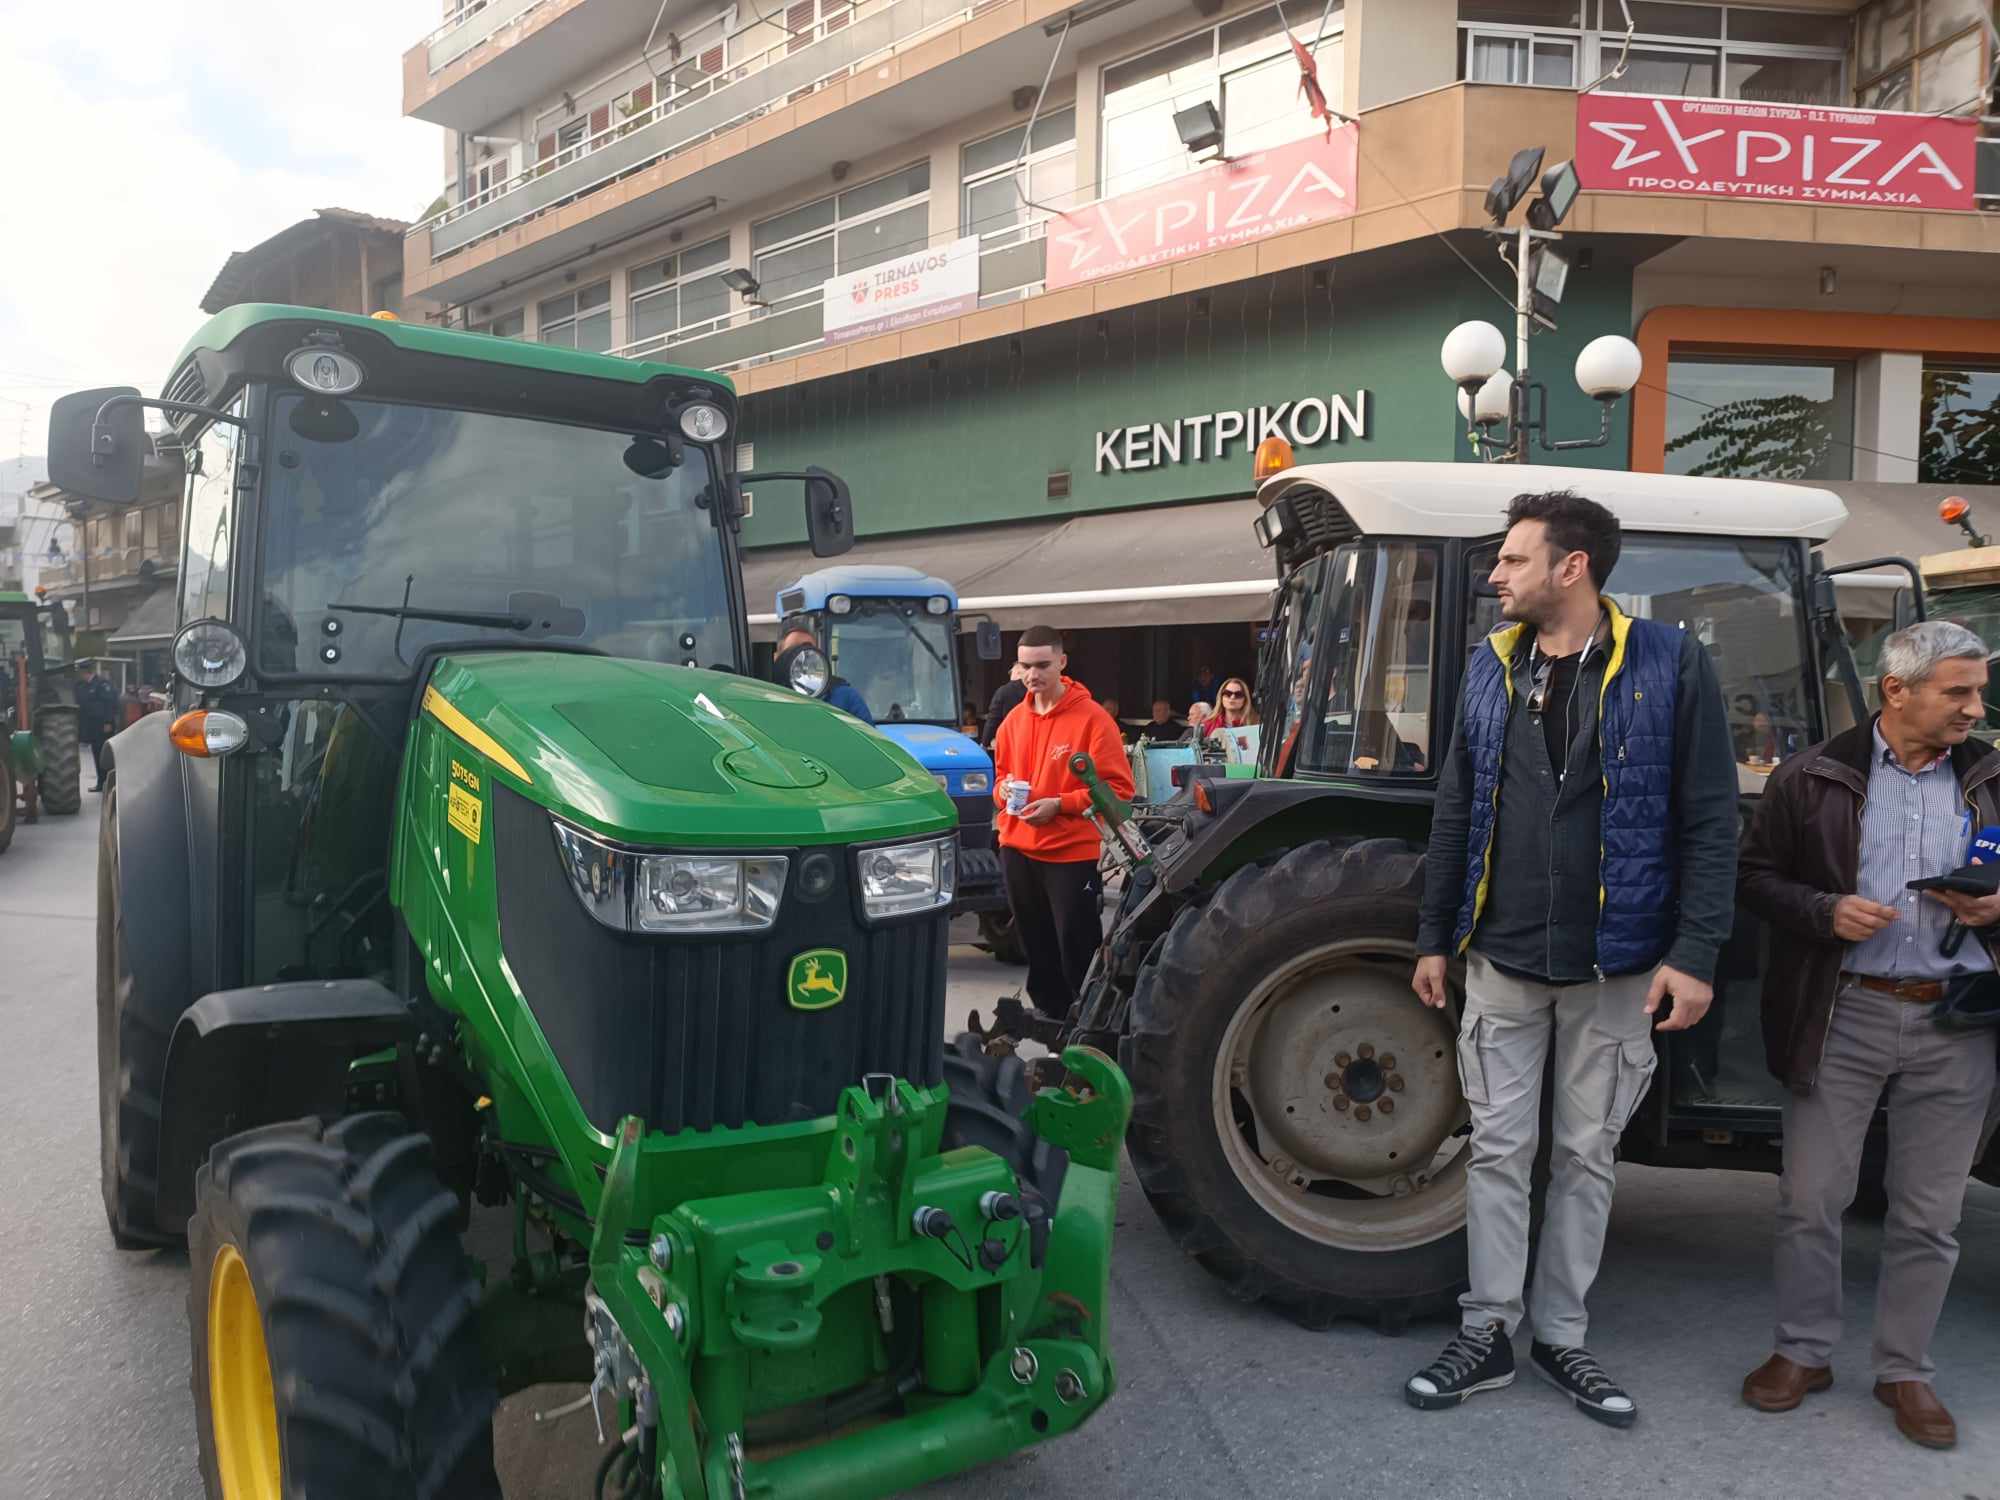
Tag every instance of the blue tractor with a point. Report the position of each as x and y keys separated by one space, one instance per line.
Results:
x=890 y=634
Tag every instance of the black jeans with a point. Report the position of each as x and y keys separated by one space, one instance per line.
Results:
x=1056 y=912
x=97 y=757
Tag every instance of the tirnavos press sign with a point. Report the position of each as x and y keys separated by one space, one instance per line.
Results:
x=938 y=281
x=1774 y=153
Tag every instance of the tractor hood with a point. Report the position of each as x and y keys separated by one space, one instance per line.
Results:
x=653 y=754
x=937 y=749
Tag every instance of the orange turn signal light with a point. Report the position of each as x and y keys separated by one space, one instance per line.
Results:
x=207 y=732
x=1274 y=456
x=385 y=316
x=1203 y=799
x=1953 y=508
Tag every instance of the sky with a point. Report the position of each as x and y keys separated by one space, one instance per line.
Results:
x=151 y=140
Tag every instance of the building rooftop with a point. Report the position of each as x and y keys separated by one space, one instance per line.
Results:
x=234 y=281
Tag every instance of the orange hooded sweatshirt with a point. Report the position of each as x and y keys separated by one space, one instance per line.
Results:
x=1036 y=747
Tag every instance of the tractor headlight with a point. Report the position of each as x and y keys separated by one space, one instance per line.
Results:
x=898 y=879
x=208 y=654
x=975 y=781
x=697 y=893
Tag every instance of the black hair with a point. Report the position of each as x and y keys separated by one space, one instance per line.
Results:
x=1041 y=635
x=1574 y=524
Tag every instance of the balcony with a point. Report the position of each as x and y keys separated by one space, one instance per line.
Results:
x=489 y=55
x=113 y=567
x=862 y=88
x=1424 y=165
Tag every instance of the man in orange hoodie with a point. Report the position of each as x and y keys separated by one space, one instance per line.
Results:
x=1048 y=850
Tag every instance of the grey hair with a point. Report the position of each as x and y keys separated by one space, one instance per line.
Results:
x=1913 y=653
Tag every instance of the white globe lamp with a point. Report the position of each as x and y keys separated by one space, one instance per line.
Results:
x=1490 y=406
x=1608 y=367
x=1472 y=352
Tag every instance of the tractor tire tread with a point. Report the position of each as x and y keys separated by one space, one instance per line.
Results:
x=61 y=781
x=1246 y=903
x=990 y=1099
x=369 y=1307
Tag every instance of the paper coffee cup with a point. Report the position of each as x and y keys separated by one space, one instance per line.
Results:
x=1017 y=795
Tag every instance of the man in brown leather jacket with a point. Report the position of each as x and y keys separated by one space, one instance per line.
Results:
x=1841 y=830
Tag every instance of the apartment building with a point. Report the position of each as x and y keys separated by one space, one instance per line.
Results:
x=1035 y=276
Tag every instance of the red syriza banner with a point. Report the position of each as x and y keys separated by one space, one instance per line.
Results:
x=1225 y=204
x=1773 y=153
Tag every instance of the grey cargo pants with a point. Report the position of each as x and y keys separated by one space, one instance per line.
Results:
x=1604 y=1059
x=1939 y=1083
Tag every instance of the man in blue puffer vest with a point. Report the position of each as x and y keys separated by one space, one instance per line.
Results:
x=1583 y=856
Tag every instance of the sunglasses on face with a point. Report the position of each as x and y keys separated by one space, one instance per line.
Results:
x=1232 y=694
x=1538 y=689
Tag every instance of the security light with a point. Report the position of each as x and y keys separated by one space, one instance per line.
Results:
x=1200 y=127
x=1560 y=186
x=1510 y=189
x=740 y=281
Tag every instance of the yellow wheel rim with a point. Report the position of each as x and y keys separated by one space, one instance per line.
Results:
x=243 y=1413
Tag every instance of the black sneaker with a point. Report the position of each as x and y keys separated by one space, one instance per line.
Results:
x=1578 y=1376
x=1478 y=1359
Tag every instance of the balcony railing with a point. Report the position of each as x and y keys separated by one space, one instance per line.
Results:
x=755 y=86
x=470 y=23
x=111 y=565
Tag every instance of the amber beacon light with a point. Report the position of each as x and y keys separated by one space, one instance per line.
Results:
x=1274 y=456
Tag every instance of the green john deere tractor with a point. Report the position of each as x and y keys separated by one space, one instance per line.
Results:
x=39 y=770
x=468 y=869
x=1298 y=1122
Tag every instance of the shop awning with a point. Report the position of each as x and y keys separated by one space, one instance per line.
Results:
x=151 y=622
x=1162 y=565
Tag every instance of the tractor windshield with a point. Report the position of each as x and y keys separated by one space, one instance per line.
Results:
x=597 y=534
x=898 y=657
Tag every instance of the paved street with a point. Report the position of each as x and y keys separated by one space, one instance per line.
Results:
x=1216 y=1399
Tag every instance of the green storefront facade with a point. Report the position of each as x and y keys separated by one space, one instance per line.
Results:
x=1086 y=416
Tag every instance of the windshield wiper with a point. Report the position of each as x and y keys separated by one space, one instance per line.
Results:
x=443 y=616
x=916 y=635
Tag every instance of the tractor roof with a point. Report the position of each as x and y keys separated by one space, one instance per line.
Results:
x=1468 y=500
x=227 y=326
x=864 y=580
x=1960 y=569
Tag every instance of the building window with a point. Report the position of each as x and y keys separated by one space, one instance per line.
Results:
x=1760 y=418
x=577 y=320
x=1690 y=50
x=681 y=294
x=797 y=250
x=1244 y=67
x=509 y=325
x=998 y=178
x=1928 y=55
x=1960 y=443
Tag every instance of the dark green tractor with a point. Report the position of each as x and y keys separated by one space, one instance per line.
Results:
x=39 y=769
x=470 y=873
x=1298 y=1121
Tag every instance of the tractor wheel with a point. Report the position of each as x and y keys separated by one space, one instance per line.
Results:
x=7 y=814
x=1297 y=1121
x=62 y=762
x=998 y=937
x=989 y=1107
x=131 y=1065
x=334 y=1319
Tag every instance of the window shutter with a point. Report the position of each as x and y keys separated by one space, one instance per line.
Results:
x=545 y=148
x=835 y=19
x=642 y=98
x=711 y=61
x=600 y=119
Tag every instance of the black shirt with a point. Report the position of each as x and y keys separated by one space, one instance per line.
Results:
x=1559 y=710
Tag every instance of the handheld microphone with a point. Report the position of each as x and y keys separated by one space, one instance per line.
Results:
x=1985 y=846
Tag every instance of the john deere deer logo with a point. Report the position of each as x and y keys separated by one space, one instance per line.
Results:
x=818 y=979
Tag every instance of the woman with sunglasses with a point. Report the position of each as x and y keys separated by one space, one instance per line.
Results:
x=1233 y=708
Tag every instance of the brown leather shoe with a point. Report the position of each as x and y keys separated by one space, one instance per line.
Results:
x=1920 y=1416
x=1779 y=1384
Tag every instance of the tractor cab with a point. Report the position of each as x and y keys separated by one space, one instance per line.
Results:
x=891 y=634
x=39 y=767
x=1963 y=586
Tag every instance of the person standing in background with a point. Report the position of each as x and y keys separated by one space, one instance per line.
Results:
x=1048 y=848
x=1204 y=685
x=1006 y=698
x=96 y=715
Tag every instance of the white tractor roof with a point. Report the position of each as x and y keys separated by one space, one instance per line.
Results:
x=1469 y=500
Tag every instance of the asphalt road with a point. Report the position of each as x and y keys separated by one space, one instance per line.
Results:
x=1216 y=1398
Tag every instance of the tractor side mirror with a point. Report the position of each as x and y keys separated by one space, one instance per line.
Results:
x=986 y=639
x=99 y=460
x=829 y=513
x=1905 y=609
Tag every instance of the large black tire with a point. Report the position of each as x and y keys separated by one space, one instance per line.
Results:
x=133 y=1030
x=990 y=1097
x=1339 y=917
x=7 y=814
x=999 y=937
x=62 y=759
x=366 y=1304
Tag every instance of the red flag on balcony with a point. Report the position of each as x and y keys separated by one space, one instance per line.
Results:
x=1315 y=96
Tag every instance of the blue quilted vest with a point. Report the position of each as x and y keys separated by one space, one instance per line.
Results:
x=1637 y=855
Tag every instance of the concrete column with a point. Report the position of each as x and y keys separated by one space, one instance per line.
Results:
x=1888 y=395
x=1396 y=48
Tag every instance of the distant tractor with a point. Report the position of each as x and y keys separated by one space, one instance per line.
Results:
x=39 y=771
x=1298 y=1121
x=470 y=868
x=892 y=634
